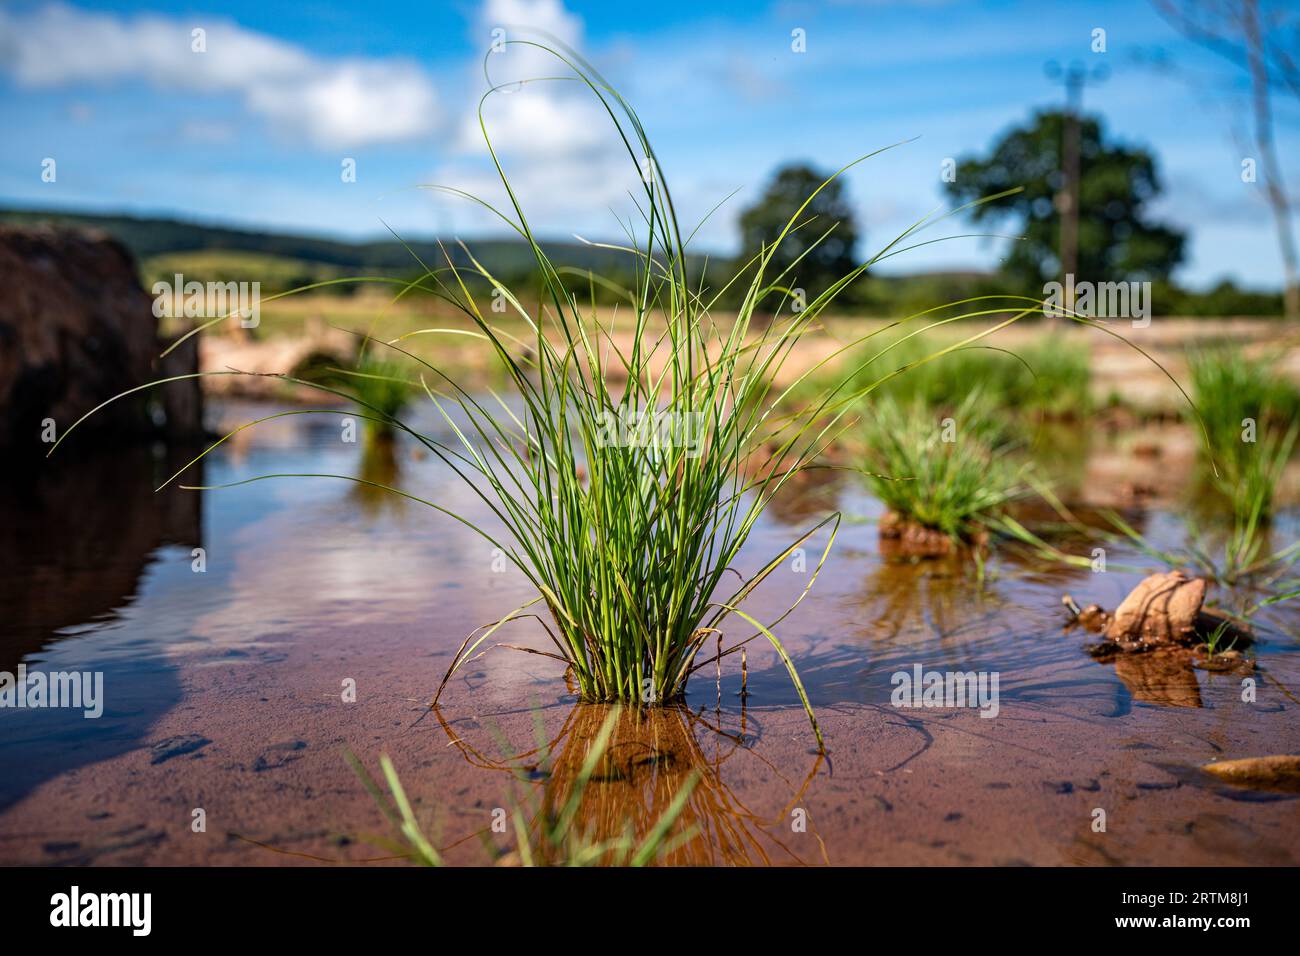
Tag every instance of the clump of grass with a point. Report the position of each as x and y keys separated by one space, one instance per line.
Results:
x=1214 y=639
x=379 y=385
x=545 y=835
x=948 y=475
x=630 y=543
x=1229 y=387
x=1247 y=407
x=1250 y=487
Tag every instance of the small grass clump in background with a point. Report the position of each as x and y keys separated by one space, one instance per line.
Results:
x=947 y=475
x=380 y=386
x=1214 y=641
x=1249 y=410
x=382 y=393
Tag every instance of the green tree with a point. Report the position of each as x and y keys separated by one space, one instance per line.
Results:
x=1116 y=239
x=761 y=225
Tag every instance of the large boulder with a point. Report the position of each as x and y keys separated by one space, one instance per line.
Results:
x=76 y=328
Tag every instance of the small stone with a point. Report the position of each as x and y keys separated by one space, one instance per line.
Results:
x=1275 y=772
x=1093 y=617
x=1162 y=609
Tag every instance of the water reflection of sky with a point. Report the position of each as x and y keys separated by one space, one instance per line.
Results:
x=282 y=556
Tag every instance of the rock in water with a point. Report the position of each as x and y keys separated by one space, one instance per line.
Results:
x=76 y=329
x=1277 y=772
x=1163 y=609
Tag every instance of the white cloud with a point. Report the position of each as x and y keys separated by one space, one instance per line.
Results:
x=539 y=122
x=559 y=199
x=536 y=21
x=333 y=103
x=354 y=102
x=553 y=118
x=558 y=145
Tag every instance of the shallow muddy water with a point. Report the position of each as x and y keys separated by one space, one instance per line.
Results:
x=224 y=690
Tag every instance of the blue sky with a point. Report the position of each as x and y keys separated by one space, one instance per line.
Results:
x=255 y=129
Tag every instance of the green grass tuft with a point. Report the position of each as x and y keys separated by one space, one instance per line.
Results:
x=1248 y=407
x=380 y=385
x=948 y=486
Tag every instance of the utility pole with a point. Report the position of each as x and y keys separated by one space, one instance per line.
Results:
x=1074 y=77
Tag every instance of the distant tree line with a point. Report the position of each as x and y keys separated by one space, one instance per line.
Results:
x=1118 y=240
